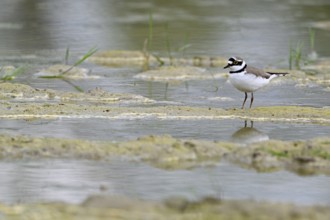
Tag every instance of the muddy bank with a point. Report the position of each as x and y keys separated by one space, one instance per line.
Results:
x=102 y=207
x=21 y=92
x=123 y=58
x=24 y=102
x=178 y=74
x=28 y=110
x=160 y=151
x=66 y=71
x=304 y=157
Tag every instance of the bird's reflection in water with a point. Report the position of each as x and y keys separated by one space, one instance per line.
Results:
x=248 y=135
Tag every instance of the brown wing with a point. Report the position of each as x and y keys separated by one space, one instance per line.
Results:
x=257 y=72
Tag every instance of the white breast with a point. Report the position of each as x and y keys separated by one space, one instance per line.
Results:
x=247 y=82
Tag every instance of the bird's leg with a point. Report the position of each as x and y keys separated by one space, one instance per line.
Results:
x=244 y=100
x=251 y=99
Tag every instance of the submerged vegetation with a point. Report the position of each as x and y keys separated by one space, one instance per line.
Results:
x=10 y=73
x=61 y=74
x=296 y=56
x=170 y=59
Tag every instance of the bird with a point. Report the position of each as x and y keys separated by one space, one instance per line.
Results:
x=248 y=79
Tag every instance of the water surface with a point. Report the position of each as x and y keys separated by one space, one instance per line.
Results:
x=73 y=181
x=36 y=33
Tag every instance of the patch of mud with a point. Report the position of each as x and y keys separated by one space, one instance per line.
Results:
x=114 y=207
x=6 y=69
x=67 y=72
x=10 y=26
x=71 y=110
x=121 y=58
x=311 y=156
x=319 y=72
x=161 y=151
x=286 y=113
x=325 y=25
x=177 y=73
x=302 y=157
x=46 y=103
x=21 y=92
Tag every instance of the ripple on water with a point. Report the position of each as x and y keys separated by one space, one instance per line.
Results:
x=32 y=181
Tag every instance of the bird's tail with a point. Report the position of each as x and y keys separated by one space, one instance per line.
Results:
x=278 y=74
x=274 y=75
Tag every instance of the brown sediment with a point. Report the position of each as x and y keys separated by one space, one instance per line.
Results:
x=162 y=151
x=322 y=24
x=63 y=109
x=21 y=92
x=303 y=157
x=177 y=73
x=47 y=103
x=311 y=156
x=120 y=58
x=66 y=71
x=115 y=207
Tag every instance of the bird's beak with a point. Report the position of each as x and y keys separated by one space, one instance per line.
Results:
x=227 y=66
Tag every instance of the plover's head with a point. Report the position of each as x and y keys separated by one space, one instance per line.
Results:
x=235 y=63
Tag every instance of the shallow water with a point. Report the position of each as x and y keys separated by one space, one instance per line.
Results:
x=36 y=34
x=72 y=181
x=212 y=27
x=120 y=130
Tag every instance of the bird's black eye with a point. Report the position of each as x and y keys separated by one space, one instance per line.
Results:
x=235 y=62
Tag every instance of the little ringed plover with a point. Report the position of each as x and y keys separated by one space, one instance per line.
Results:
x=248 y=79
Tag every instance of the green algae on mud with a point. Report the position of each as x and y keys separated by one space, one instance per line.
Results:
x=72 y=110
x=25 y=102
x=115 y=207
x=70 y=72
x=21 y=92
x=161 y=151
x=302 y=157
x=123 y=58
x=177 y=73
x=285 y=113
x=311 y=156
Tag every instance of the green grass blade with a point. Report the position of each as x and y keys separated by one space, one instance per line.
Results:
x=160 y=61
x=150 y=36
x=78 y=88
x=168 y=46
x=311 y=38
x=184 y=47
x=67 y=54
x=52 y=77
x=13 y=74
x=86 y=56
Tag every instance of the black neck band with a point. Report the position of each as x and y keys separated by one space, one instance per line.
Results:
x=238 y=71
